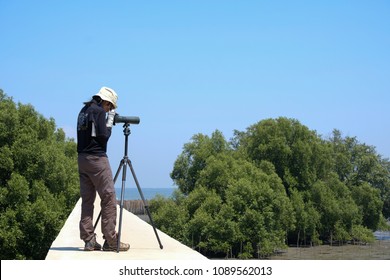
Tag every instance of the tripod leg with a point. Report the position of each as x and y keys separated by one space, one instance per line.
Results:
x=116 y=177
x=145 y=204
x=121 y=204
x=97 y=219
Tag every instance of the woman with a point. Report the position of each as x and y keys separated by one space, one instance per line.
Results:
x=93 y=132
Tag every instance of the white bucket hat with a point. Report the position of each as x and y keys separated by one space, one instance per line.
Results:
x=108 y=94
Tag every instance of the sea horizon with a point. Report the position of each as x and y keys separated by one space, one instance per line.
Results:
x=132 y=193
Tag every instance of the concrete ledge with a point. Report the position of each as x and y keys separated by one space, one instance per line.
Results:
x=140 y=235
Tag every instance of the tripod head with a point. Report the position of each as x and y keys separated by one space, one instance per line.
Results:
x=126 y=120
x=126 y=129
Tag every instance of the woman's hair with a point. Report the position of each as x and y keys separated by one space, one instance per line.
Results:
x=94 y=98
x=97 y=99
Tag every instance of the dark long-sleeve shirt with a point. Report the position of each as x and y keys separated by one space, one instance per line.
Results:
x=92 y=132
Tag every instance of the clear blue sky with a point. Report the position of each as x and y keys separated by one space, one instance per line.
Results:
x=187 y=67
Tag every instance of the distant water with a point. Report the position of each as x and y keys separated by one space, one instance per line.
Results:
x=149 y=193
x=382 y=235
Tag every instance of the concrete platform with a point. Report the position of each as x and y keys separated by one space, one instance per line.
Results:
x=140 y=235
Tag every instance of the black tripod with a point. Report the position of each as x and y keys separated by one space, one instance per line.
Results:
x=126 y=162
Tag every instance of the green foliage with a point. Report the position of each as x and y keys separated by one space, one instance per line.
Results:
x=193 y=159
x=274 y=184
x=307 y=219
x=170 y=215
x=298 y=154
x=361 y=234
x=38 y=181
x=370 y=204
x=358 y=164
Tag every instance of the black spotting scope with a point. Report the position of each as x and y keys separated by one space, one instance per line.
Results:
x=126 y=119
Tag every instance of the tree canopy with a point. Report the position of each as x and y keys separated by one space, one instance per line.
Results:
x=276 y=183
x=38 y=180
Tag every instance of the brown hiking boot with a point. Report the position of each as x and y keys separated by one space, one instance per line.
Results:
x=113 y=246
x=92 y=245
